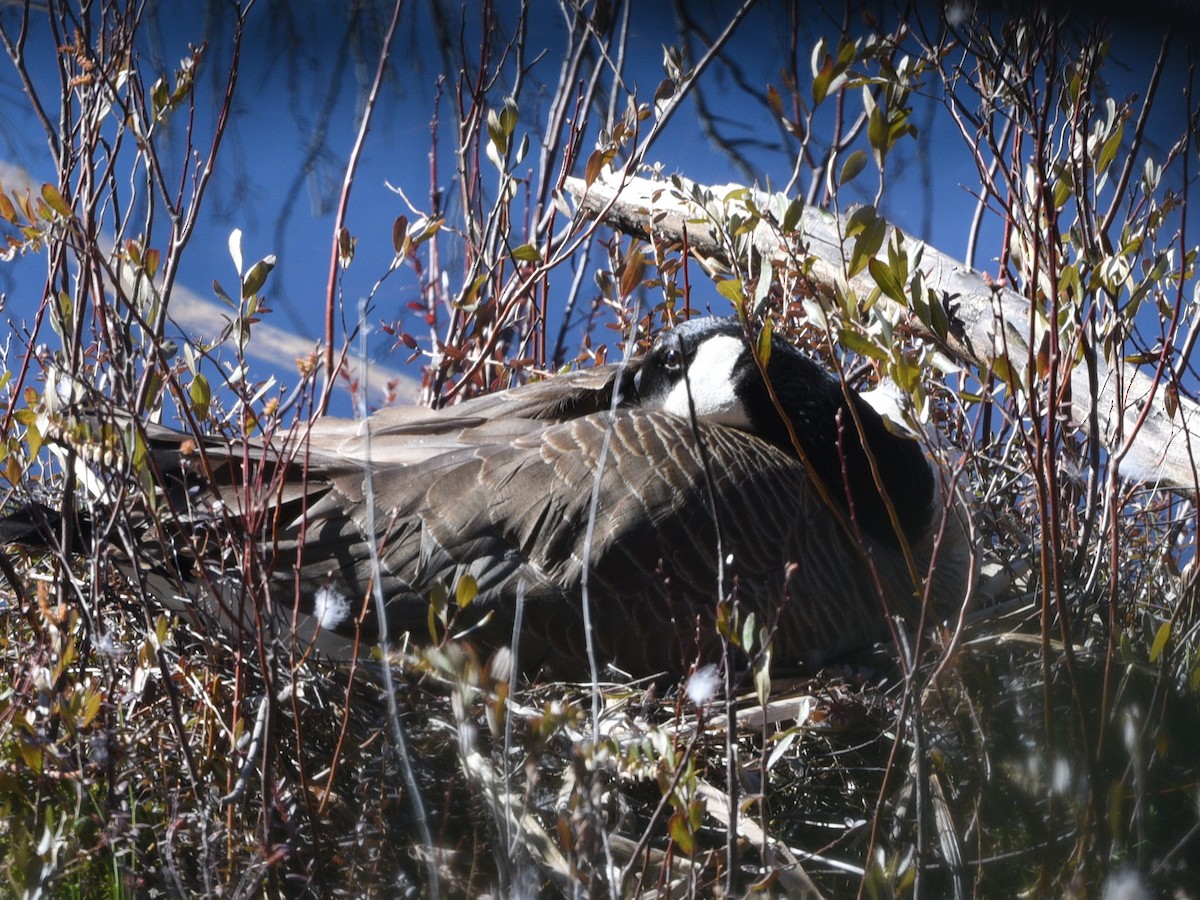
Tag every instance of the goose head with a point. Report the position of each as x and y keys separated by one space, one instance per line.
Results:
x=705 y=368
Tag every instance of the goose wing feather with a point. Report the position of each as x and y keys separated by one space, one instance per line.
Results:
x=518 y=511
x=407 y=435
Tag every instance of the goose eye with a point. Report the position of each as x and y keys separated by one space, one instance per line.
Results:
x=673 y=360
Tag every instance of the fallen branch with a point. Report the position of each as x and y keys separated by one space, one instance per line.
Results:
x=988 y=323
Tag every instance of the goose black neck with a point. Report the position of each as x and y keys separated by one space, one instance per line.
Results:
x=829 y=436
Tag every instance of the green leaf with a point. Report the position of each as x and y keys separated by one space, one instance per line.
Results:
x=56 y=201
x=527 y=253
x=938 y=320
x=1060 y=192
x=854 y=164
x=748 y=627
x=859 y=219
x=257 y=276
x=509 y=116
x=137 y=455
x=877 y=134
x=920 y=307
x=1108 y=150
x=31 y=753
x=863 y=346
x=431 y=620
x=465 y=591
x=791 y=216
x=201 y=395
x=681 y=833
x=762 y=674
x=220 y=292
x=64 y=310
x=731 y=289
x=183 y=86
x=33 y=439
x=723 y=624
x=428 y=228
x=867 y=244
x=763 y=351
x=821 y=81
x=496 y=133
x=1007 y=373
x=1160 y=641
x=159 y=98
x=886 y=279
x=89 y=708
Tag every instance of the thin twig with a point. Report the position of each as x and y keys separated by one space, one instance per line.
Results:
x=360 y=139
x=433 y=861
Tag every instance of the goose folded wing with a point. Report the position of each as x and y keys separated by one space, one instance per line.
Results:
x=518 y=513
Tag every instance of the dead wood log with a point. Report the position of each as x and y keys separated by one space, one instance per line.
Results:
x=989 y=324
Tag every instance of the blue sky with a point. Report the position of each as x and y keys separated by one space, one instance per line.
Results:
x=298 y=59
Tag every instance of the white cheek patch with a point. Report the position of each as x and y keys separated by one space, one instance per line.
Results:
x=330 y=608
x=710 y=381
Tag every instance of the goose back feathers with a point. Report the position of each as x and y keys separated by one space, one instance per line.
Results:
x=704 y=490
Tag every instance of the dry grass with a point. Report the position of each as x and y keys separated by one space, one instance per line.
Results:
x=99 y=793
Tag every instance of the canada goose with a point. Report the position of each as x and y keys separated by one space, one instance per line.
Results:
x=696 y=475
